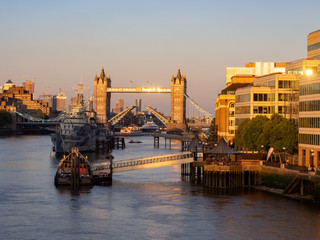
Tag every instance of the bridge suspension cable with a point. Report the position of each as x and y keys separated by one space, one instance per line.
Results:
x=162 y=118
x=113 y=121
x=199 y=108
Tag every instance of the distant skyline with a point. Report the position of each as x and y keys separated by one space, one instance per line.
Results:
x=59 y=42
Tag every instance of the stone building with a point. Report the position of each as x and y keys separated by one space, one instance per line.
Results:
x=101 y=98
x=178 y=101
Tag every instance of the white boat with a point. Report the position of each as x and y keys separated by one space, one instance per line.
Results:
x=150 y=127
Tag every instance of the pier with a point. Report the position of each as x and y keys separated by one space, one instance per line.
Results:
x=232 y=176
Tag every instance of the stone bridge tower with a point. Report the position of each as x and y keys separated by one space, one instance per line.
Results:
x=101 y=97
x=178 y=101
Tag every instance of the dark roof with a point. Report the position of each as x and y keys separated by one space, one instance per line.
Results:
x=234 y=87
x=222 y=148
x=9 y=81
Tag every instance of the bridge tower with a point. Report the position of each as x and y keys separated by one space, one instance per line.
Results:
x=102 y=98
x=178 y=101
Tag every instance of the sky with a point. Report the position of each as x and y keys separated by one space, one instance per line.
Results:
x=58 y=43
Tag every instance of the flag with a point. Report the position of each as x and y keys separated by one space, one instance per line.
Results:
x=269 y=153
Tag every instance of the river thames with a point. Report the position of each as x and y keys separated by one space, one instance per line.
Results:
x=143 y=204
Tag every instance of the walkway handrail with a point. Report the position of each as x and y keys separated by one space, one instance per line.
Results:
x=149 y=160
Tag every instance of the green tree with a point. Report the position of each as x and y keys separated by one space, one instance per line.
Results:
x=253 y=131
x=283 y=135
x=279 y=133
x=239 y=137
x=5 y=117
x=212 y=132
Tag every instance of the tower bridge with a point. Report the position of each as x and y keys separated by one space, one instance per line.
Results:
x=177 y=90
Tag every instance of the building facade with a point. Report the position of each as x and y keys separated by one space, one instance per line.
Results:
x=309 y=120
x=256 y=69
x=23 y=101
x=269 y=94
x=313 y=42
x=225 y=107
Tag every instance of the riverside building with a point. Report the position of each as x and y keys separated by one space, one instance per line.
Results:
x=313 y=42
x=256 y=69
x=269 y=94
x=225 y=107
x=309 y=120
x=309 y=106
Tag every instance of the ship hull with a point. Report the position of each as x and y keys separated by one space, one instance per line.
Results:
x=64 y=143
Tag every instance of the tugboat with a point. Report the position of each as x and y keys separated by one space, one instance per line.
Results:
x=73 y=168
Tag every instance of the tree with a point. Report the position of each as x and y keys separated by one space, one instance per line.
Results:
x=284 y=135
x=253 y=131
x=242 y=128
x=5 y=117
x=212 y=132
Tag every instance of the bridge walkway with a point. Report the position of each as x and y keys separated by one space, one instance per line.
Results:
x=148 y=162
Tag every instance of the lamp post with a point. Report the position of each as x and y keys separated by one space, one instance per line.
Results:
x=284 y=150
x=312 y=156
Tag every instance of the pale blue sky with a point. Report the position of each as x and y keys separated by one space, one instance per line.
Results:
x=58 y=41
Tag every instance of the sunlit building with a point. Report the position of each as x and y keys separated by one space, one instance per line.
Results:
x=17 y=98
x=225 y=107
x=269 y=94
x=255 y=68
x=314 y=44
x=309 y=120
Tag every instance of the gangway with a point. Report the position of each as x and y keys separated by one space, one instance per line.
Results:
x=113 y=121
x=149 y=162
x=163 y=119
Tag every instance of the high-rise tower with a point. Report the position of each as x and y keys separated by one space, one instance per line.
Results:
x=178 y=100
x=101 y=97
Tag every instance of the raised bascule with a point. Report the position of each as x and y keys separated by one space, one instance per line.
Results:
x=178 y=91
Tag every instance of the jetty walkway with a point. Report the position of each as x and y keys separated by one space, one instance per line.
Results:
x=148 y=162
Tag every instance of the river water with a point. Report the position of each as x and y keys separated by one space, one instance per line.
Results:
x=143 y=204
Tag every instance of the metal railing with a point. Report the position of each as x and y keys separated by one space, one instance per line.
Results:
x=148 y=160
